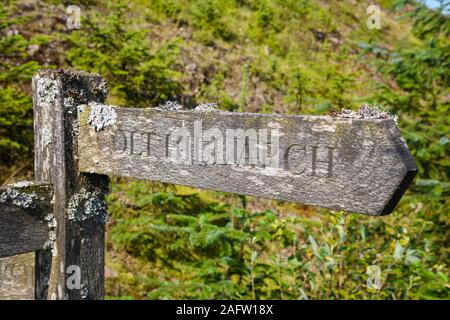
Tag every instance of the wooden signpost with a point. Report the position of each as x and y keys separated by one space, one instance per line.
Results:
x=26 y=225
x=358 y=165
x=356 y=162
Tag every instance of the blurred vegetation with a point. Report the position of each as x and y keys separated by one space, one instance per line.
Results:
x=291 y=56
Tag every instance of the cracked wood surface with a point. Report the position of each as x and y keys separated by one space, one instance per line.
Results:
x=357 y=165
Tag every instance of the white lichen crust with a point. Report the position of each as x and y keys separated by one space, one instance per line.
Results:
x=207 y=107
x=366 y=112
x=175 y=106
x=170 y=106
x=46 y=90
x=47 y=136
x=101 y=116
x=87 y=205
x=22 y=184
x=22 y=200
x=84 y=291
x=22 y=195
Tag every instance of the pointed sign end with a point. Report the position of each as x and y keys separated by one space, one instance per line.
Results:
x=410 y=172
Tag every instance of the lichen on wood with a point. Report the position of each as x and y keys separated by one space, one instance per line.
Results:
x=79 y=243
x=22 y=184
x=316 y=160
x=28 y=195
x=366 y=112
x=101 y=116
x=170 y=106
x=46 y=136
x=87 y=205
x=26 y=219
x=46 y=90
x=22 y=200
x=207 y=107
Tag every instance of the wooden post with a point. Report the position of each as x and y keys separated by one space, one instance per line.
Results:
x=74 y=267
x=26 y=225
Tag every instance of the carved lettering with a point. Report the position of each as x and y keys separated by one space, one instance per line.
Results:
x=337 y=163
x=322 y=161
x=149 y=141
x=132 y=144
x=231 y=146
x=312 y=160
x=17 y=277
x=241 y=146
x=295 y=159
x=213 y=150
x=119 y=141
x=180 y=146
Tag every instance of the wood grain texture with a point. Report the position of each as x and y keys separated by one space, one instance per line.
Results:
x=25 y=214
x=17 y=273
x=79 y=242
x=357 y=165
x=17 y=277
x=20 y=233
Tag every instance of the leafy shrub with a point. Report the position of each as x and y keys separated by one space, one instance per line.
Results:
x=211 y=251
x=139 y=73
x=16 y=113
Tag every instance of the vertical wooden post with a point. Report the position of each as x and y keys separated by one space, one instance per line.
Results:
x=73 y=268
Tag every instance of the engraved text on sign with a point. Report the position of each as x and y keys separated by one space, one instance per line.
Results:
x=359 y=165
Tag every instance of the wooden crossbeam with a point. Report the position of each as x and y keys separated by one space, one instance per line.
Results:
x=25 y=218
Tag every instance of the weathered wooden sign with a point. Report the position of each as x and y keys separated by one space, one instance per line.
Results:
x=354 y=164
x=17 y=277
x=26 y=225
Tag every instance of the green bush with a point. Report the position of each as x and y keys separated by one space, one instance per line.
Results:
x=212 y=251
x=139 y=73
x=16 y=112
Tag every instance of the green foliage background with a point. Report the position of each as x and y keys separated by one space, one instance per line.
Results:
x=291 y=56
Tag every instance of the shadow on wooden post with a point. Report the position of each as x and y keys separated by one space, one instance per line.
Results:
x=74 y=268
